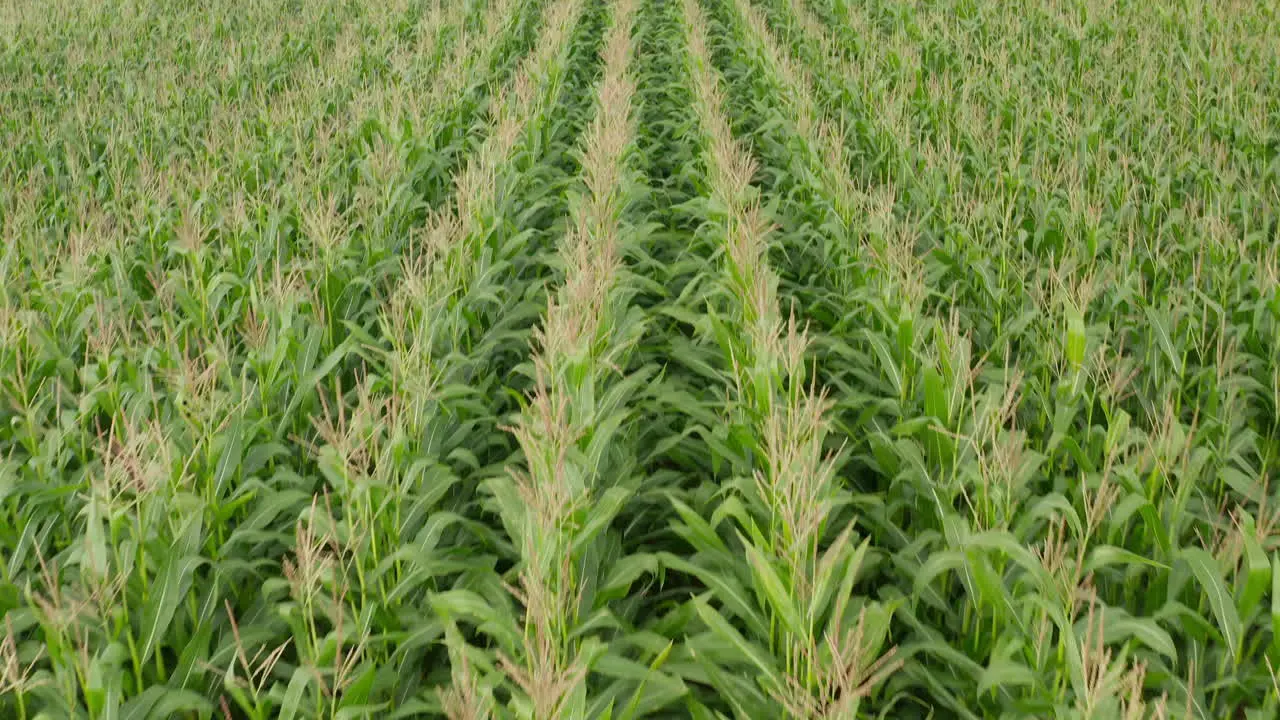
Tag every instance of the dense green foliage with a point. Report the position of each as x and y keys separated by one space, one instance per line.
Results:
x=628 y=358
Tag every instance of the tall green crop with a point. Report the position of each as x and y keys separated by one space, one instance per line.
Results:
x=672 y=358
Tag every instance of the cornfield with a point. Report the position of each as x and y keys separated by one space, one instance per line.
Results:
x=599 y=359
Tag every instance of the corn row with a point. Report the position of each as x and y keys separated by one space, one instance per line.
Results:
x=560 y=428
x=436 y=271
x=823 y=666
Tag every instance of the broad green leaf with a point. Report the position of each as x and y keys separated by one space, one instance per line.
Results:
x=1005 y=674
x=291 y=704
x=230 y=455
x=170 y=589
x=1257 y=575
x=1107 y=555
x=1164 y=342
x=1205 y=569
x=1275 y=600
x=754 y=655
x=774 y=590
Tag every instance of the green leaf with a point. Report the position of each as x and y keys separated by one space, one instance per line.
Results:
x=293 y=695
x=1205 y=569
x=721 y=627
x=1108 y=555
x=1156 y=526
x=603 y=511
x=728 y=590
x=775 y=591
x=170 y=589
x=1275 y=600
x=1005 y=674
x=163 y=703
x=623 y=574
x=700 y=533
x=887 y=362
x=1076 y=339
x=1163 y=340
x=1257 y=575
x=1118 y=624
x=229 y=459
